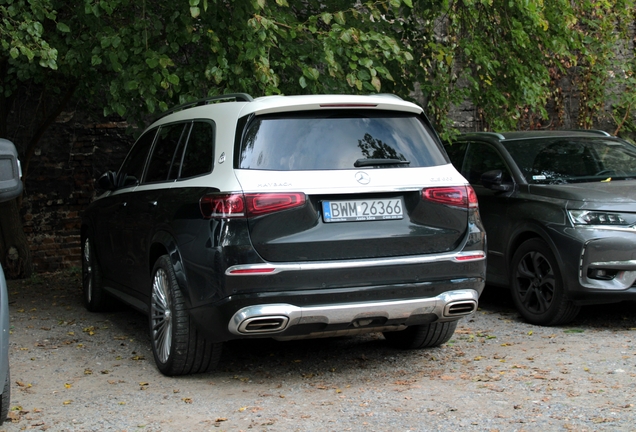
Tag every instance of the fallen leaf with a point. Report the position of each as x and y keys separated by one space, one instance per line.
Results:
x=220 y=419
x=67 y=402
x=67 y=385
x=187 y=400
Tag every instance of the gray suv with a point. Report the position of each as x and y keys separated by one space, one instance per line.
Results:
x=285 y=217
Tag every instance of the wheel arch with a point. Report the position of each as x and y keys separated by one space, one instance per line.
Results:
x=164 y=244
x=527 y=231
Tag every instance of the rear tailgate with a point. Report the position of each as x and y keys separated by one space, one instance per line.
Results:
x=360 y=173
x=343 y=219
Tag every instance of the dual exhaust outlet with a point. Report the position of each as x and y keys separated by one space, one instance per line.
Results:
x=276 y=318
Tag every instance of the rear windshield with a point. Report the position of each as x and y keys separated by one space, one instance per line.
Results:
x=331 y=140
x=573 y=160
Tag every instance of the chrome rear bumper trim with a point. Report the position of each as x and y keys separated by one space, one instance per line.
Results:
x=447 y=306
x=253 y=269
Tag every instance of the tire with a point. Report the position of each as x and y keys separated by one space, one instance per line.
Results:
x=422 y=336
x=96 y=299
x=5 y=400
x=538 y=288
x=177 y=345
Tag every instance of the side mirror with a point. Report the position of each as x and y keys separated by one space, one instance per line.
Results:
x=107 y=181
x=494 y=180
x=10 y=171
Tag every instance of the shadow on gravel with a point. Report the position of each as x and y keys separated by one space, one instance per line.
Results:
x=616 y=315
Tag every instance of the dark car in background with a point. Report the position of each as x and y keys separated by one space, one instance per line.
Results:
x=285 y=217
x=559 y=208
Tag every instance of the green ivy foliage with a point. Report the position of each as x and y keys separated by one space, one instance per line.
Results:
x=507 y=58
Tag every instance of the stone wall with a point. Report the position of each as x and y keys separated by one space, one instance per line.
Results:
x=59 y=185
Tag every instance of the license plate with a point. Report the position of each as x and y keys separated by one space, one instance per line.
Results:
x=362 y=210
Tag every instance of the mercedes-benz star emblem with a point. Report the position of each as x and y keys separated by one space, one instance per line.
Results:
x=363 y=178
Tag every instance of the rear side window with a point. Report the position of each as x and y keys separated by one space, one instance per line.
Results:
x=133 y=167
x=197 y=158
x=337 y=139
x=164 y=151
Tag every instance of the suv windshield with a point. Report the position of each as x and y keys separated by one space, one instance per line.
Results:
x=573 y=160
x=336 y=139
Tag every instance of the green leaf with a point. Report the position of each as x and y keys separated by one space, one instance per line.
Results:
x=364 y=75
x=152 y=62
x=375 y=81
x=303 y=82
x=63 y=28
x=195 y=12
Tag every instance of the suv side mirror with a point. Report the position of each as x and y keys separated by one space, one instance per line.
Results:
x=494 y=180
x=107 y=181
x=10 y=171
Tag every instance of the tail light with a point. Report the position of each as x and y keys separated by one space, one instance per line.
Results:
x=237 y=205
x=456 y=196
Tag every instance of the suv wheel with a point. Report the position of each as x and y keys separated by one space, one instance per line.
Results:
x=177 y=345
x=422 y=336
x=95 y=298
x=537 y=286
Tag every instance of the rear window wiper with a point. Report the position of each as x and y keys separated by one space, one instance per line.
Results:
x=370 y=162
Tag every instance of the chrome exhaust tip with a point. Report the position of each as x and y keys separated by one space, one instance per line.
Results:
x=263 y=324
x=460 y=308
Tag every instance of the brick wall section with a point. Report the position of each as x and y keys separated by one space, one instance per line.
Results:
x=59 y=185
x=76 y=151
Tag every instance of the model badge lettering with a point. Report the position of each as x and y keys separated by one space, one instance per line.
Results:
x=268 y=185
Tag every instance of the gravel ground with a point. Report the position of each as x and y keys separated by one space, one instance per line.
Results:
x=77 y=371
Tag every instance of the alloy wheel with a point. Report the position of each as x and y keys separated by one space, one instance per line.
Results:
x=161 y=315
x=535 y=282
x=88 y=270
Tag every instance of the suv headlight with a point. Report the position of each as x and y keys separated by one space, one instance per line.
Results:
x=594 y=217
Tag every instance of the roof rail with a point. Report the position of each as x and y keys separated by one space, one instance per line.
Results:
x=238 y=97
x=597 y=131
x=495 y=134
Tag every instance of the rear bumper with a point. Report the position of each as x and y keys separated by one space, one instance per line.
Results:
x=329 y=312
x=271 y=319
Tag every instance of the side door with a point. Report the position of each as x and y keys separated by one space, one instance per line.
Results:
x=112 y=230
x=473 y=159
x=149 y=209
